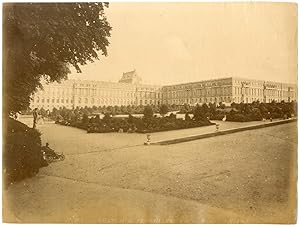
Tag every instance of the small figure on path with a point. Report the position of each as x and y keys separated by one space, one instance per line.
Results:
x=35 y=117
x=48 y=151
x=50 y=155
x=17 y=115
x=224 y=119
x=217 y=127
x=42 y=119
x=148 y=140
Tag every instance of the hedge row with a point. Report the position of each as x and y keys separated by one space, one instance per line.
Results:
x=139 y=125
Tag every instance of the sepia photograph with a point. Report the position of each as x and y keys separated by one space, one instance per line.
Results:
x=157 y=112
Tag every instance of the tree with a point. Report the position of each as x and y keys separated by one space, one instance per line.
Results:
x=148 y=112
x=163 y=109
x=43 y=112
x=123 y=109
x=106 y=117
x=130 y=118
x=41 y=40
x=85 y=118
x=117 y=109
x=185 y=108
x=187 y=117
x=199 y=114
x=94 y=109
x=173 y=107
x=204 y=109
x=222 y=105
x=54 y=113
x=212 y=108
x=97 y=118
x=73 y=117
x=129 y=109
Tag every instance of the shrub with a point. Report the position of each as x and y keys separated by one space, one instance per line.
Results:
x=130 y=118
x=199 y=113
x=22 y=155
x=148 y=112
x=172 y=116
x=276 y=115
x=187 y=117
x=237 y=118
x=255 y=115
x=163 y=109
x=85 y=118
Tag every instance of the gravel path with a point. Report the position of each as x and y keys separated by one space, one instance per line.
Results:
x=237 y=178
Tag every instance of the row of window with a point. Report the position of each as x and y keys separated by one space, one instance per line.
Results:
x=177 y=101
x=250 y=83
x=149 y=95
x=49 y=106
x=105 y=101
x=226 y=91
x=94 y=92
x=222 y=99
x=198 y=100
x=145 y=102
x=198 y=92
x=37 y=100
x=254 y=92
x=198 y=85
x=115 y=93
x=58 y=91
x=260 y=92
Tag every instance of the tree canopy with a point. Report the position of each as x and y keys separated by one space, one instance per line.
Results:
x=41 y=40
x=163 y=109
x=148 y=112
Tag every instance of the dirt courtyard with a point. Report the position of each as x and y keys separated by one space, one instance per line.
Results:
x=245 y=177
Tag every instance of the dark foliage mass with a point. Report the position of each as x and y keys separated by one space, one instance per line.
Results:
x=257 y=111
x=85 y=118
x=22 y=151
x=41 y=40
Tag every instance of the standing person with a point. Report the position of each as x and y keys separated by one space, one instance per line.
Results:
x=35 y=117
x=18 y=115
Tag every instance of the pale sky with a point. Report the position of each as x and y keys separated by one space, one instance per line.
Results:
x=171 y=43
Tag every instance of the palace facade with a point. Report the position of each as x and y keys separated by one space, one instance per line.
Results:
x=81 y=93
x=130 y=91
x=229 y=90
